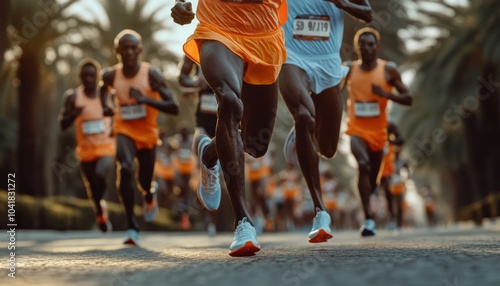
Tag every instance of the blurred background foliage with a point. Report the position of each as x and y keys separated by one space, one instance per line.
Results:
x=447 y=50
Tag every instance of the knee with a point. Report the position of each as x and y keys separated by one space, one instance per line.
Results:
x=304 y=120
x=230 y=106
x=364 y=167
x=328 y=151
x=126 y=171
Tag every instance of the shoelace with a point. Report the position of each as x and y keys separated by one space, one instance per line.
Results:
x=242 y=229
x=210 y=176
x=318 y=219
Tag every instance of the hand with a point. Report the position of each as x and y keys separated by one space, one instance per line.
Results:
x=377 y=90
x=137 y=95
x=76 y=111
x=106 y=111
x=182 y=12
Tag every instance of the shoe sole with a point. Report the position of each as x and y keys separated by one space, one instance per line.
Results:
x=322 y=236
x=130 y=241
x=367 y=233
x=249 y=249
x=202 y=204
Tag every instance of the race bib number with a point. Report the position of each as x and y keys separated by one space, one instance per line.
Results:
x=311 y=28
x=185 y=154
x=367 y=109
x=208 y=103
x=132 y=112
x=255 y=165
x=93 y=127
x=244 y=1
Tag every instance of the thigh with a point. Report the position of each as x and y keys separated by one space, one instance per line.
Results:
x=328 y=106
x=294 y=88
x=88 y=170
x=359 y=149
x=125 y=150
x=221 y=68
x=260 y=104
x=146 y=158
x=103 y=165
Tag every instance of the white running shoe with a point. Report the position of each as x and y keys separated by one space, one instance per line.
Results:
x=289 y=149
x=132 y=237
x=321 y=231
x=245 y=240
x=368 y=228
x=209 y=190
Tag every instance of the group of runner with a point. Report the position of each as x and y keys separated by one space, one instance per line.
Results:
x=245 y=53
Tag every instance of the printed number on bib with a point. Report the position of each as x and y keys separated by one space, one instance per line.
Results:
x=184 y=154
x=367 y=109
x=131 y=112
x=208 y=103
x=311 y=27
x=244 y=1
x=93 y=127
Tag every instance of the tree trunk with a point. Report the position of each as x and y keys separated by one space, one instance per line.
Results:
x=4 y=21
x=30 y=153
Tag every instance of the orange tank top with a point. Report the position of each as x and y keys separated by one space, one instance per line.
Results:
x=244 y=17
x=92 y=128
x=367 y=111
x=137 y=121
x=389 y=161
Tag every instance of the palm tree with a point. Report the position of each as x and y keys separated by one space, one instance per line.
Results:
x=33 y=28
x=4 y=21
x=453 y=126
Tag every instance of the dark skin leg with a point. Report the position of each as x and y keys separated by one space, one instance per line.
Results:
x=146 y=158
x=317 y=122
x=94 y=176
x=369 y=166
x=223 y=71
x=258 y=196
x=125 y=153
x=385 y=185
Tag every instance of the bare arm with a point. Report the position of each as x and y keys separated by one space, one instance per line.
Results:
x=106 y=84
x=394 y=78
x=69 y=111
x=185 y=78
x=343 y=83
x=157 y=83
x=359 y=9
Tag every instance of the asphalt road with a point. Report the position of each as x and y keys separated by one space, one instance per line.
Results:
x=449 y=256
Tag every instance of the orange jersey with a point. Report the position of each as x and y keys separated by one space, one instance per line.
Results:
x=389 y=161
x=136 y=121
x=367 y=111
x=250 y=29
x=243 y=18
x=166 y=172
x=93 y=130
x=256 y=169
x=185 y=162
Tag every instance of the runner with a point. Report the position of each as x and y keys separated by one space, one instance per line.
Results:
x=240 y=48
x=391 y=181
x=309 y=84
x=370 y=82
x=191 y=78
x=139 y=93
x=95 y=147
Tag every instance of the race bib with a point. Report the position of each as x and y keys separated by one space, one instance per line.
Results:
x=311 y=28
x=132 y=112
x=208 y=103
x=367 y=109
x=255 y=165
x=93 y=127
x=185 y=154
x=245 y=1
